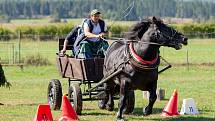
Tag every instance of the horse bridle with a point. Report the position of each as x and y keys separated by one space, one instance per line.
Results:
x=170 y=38
x=173 y=33
x=137 y=39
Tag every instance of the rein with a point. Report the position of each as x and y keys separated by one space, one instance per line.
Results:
x=137 y=41
x=150 y=43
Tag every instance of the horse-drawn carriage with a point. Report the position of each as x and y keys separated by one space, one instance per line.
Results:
x=86 y=72
x=129 y=64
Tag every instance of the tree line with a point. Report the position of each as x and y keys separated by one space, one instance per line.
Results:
x=112 y=9
x=52 y=32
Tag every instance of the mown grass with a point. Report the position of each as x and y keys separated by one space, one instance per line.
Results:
x=29 y=87
x=198 y=51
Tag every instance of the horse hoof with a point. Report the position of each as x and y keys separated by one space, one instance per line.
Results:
x=101 y=104
x=110 y=107
x=147 y=111
x=120 y=120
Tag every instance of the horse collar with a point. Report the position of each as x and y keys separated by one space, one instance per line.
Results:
x=139 y=61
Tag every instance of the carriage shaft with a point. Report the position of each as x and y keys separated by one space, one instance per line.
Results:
x=106 y=79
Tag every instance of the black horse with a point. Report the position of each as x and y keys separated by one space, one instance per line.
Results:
x=139 y=60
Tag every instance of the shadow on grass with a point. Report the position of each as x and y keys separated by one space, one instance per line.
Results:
x=165 y=99
x=21 y=104
x=95 y=113
x=206 y=110
x=139 y=116
x=89 y=112
x=139 y=111
x=182 y=119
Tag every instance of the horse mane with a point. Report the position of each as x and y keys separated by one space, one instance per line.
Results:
x=138 y=29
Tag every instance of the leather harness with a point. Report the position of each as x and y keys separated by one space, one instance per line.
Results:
x=138 y=62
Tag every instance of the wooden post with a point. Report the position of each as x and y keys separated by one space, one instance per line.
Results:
x=160 y=94
x=188 y=66
x=19 y=47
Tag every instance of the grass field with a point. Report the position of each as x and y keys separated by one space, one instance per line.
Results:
x=199 y=51
x=29 y=87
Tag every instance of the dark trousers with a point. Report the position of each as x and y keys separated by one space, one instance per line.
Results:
x=90 y=49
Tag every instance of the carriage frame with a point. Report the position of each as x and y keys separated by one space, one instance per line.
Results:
x=87 y=72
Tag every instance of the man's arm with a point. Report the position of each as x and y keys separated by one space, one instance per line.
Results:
x=88 y=34
x=64 y=46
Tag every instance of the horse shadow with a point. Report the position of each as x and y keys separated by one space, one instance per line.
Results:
x=139 y=113
x=91 y=112
x=182 y=119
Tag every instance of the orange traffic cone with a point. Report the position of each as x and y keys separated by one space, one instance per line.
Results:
x=43 y=113
x=171 y=109
x=68 y=113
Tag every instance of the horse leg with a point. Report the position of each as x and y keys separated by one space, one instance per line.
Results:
x=110 y=101
x=152 y=98
x=102 y=103
x=122 y=101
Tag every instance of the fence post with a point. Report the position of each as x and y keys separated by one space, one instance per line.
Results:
x=13 y=56
x=188 y=60
x=19 y=45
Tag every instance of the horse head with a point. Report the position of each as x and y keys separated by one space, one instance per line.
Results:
x=165 y=35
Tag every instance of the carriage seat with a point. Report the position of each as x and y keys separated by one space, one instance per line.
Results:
x=82 y=69
x=61 y=43
x=73 y=46
x=68 y=47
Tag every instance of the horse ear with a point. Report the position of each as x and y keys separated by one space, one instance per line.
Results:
x=154 y=19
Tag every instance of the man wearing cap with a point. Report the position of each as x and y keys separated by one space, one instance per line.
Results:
x=94 y=29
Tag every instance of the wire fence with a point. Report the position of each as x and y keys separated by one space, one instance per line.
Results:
x=16 y=49
x=51 y=37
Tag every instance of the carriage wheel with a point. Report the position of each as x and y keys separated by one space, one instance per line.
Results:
x=54 y=94
x=130 y=102
x=75 y=97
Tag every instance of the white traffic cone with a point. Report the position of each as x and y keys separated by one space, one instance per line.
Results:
x=189 y=107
